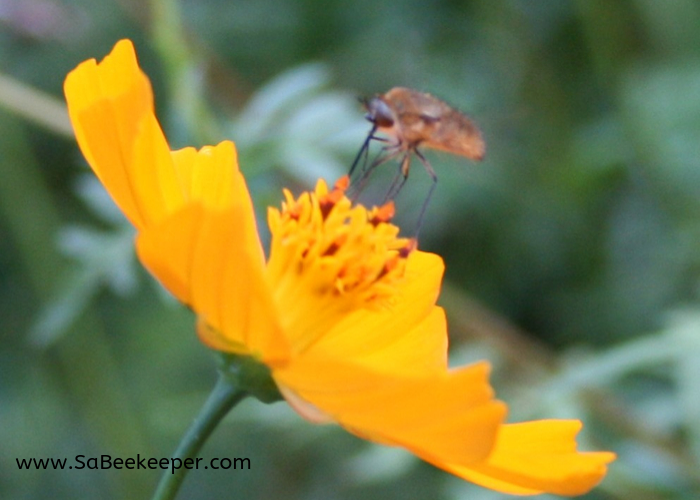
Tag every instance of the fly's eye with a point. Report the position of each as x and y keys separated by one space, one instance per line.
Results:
x=379 y=113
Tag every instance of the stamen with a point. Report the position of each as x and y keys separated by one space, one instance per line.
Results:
x=382 y=214
x=411 y=245
x=335 y=246
x=329 y=200
x=389 y=265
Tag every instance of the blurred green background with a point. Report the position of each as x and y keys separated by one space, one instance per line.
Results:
x=572 y=251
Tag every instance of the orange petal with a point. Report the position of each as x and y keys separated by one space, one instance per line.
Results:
x=110 y=104
x=397 y=333
x=212 y=261
x=448 y=416
x=536 y=457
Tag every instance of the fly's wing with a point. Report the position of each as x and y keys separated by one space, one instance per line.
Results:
x=455 y=133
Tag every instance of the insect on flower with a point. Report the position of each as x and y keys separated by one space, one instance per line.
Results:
x=339 y=317
x=410 y=119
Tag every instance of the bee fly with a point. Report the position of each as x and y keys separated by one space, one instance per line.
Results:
x=409 y=119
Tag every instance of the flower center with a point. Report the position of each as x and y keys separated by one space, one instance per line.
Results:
x=329 y=258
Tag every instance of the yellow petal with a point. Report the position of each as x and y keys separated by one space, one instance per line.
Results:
x=167 y=251
x=111 y=105
x=410 y=334
x=212 y=176
x=418 y=350
x=212 y=262
x=422 y=348
x=536 y=457
x=155 y=184
x=440 y=417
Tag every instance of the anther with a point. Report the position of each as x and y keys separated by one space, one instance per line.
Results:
x=382 y=214
x=329 y=200
x=410 y=246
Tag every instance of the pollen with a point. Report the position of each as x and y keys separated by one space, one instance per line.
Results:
x=329 y=256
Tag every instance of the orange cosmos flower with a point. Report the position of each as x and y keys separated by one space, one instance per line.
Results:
x=343 y=312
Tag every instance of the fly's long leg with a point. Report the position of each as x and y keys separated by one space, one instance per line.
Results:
x=387 y=153
x=363 y=152
x=400 y=178
x=433 y=176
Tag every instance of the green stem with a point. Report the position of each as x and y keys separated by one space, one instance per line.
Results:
x=222 y=399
